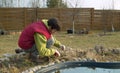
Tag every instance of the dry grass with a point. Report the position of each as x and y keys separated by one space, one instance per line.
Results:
x=78 y=41
x=8 y=43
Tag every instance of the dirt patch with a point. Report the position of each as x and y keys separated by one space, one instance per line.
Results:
x=19 y=63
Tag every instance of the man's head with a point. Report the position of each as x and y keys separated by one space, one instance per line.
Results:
x=53 y=24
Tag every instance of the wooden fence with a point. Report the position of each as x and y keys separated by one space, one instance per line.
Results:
x=18 y=18
x=106 y=20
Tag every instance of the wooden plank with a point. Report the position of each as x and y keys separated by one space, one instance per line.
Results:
x=84 y=17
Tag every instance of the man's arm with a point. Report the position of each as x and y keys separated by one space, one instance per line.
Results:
x=58 y=44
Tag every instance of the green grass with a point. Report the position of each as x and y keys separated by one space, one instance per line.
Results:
x=8 y=43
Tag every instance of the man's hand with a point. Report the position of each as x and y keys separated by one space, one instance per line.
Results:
x=57 y=54
x=62 y=47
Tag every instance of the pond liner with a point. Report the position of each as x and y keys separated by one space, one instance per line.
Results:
x=65 y=65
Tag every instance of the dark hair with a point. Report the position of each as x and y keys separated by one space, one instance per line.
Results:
x=53 y=23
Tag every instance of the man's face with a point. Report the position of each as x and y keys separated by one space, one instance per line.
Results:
x=52 y=31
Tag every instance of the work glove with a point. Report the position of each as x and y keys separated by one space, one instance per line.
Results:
x=62 y=47
x=57 y=54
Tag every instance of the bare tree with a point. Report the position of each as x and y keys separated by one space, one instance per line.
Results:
x=56 y=4
x=6 y=3
x=73 y=15
x=35 y=3
x=9 y=3
x=112 y=23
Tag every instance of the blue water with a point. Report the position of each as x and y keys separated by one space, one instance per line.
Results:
x=88 y=70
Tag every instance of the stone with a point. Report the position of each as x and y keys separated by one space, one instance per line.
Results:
x=30 y=71
x=4 y=59
x=8 y=55
x=57 y=61
x=75 y=59
x=51 y=64
x=116 y=51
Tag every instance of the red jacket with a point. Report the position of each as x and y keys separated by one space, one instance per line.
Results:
x=26 y=40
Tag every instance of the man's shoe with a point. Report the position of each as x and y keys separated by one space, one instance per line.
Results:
x=18 y=50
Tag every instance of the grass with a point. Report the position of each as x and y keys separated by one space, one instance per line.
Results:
x=90 y=40
x=8 y=43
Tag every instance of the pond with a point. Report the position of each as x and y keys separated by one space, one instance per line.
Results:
x=82 y=67
x=87 y=70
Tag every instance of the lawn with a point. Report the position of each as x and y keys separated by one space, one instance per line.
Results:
x=87 y=41
x=82 y=48
x=8 y=43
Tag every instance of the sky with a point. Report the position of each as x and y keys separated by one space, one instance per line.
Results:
x=97 y=4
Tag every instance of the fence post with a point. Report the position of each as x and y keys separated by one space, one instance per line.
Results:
x=24 y=17
x=92 y=18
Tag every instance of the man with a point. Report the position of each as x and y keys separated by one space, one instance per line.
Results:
x=37 y=38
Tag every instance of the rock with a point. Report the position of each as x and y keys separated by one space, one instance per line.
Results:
x=57 y=61
x=57 y=71
x=94 y=60
x=51 y=64
x=31 y=71
x=34 y=69
x=100 y=49
x=75 y=59
x=91 y=60
x=39 y=67
x=27 y=71
x=4 y=59
x=44 y=66
x=81 y=53
x=115 y=51
x=62 y=60
x=79 y=59
x=8 y=55
x=84 y=60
